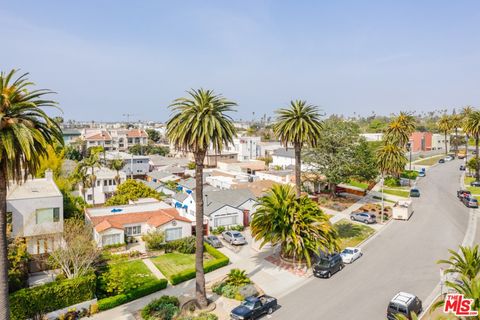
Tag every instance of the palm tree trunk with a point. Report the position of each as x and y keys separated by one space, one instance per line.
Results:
x=200 y=291
x=456 y=142
x=4 y=302
x=477 y=167
x=466 y=149
x=298 y=168
x=446 y=151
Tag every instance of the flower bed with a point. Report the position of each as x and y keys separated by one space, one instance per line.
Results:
x=337 y=203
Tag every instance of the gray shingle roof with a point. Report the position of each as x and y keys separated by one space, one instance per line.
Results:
x=282 y=152
x=214 y=200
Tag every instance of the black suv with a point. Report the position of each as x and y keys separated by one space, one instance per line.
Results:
x=328 y=265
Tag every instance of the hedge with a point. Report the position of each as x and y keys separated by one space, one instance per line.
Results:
x=221 y=260
x=30 y=302
x=151 y=287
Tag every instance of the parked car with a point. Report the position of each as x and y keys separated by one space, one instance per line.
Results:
x=463 y=193
x=234 y=237
x=328 y=265
x=441 y=160
x=404 y=304
x=364 y=217
x=462 y=168
x=475 y=183
x=470 y=202
x=414 y=193
x=350 y=254
x=254 y=307
x=213 y=241
x=448 y=158
x=422 y=173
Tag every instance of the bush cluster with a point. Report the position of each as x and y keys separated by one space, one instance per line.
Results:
x=51 y=296
x=220 y=261
x=392 y=182
x=221 y=229
x=409 y=174
x=151 y=287
x=183 y=245
x=154 y=240
x=163 y=308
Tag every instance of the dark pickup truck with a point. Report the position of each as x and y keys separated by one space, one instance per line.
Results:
x=253 y=307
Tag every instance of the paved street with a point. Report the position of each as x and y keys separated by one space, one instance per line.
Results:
x=401 y=258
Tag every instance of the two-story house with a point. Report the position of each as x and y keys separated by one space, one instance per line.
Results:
x=134 y=165
x=105 y=185
x=35 y=211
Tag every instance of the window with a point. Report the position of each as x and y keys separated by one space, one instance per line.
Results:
x=402 y=309
x=173 y=234
x=133 y=231
x=98 y=183
x=89 y=197
x=47 y=215
x=111 y=239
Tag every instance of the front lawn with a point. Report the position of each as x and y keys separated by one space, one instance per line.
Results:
x=473 y=190
x=351 y=234
x=173 y=263
x=355 y=183
x=429 y=161
x=397 y=192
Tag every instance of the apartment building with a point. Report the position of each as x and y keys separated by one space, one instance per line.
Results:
x=114 y=139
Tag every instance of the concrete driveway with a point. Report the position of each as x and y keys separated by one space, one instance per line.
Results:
x=401 y=258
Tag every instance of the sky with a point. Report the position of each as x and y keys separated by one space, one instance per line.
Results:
x=106 y=58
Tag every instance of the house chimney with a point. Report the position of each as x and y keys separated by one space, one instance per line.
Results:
x=49 y=175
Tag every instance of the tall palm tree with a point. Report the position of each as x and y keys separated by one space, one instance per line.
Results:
x=466 y=262
x=456 y=122
x=466 y=111
x=444 y=124
x=298 y=125
x=400 y=129
x=88 y=165
x=472 y=127
x=199 y=122
x=297 y=224
x=117 y=165
x=26 y=132
x=81 y=176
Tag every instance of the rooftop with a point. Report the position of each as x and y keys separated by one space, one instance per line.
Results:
x=124 y=156
x=124 y=209
x=286 y=153
x=33 y=188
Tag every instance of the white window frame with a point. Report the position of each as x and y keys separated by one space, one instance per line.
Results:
x=133 y=230
x=177 y=233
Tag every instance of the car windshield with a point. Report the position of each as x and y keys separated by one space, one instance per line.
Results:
x=237 y=235
x=213 y=238
x=248 y=304
x=324 y=262
x=347 y=251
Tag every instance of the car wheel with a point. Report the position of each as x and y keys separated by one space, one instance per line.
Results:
x=342 y=266
x=270 y=310
x=329 y=274
x=352 y=218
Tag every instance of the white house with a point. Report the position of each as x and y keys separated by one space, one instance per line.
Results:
x=112 y=224
x=35 y=209
x=438 y=141
x=372 y=136
x=221 y=208
x=247 y=148
x=105 y=185
x=283 y=158
x=278 y=176
x=136 y=165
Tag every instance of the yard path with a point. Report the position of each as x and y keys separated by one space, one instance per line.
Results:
x=150 y=265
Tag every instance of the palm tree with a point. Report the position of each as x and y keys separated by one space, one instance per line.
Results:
x=466 y=111
x=400 y=129
x=470 y=288
x=466 y=263
x=81 y=176
x=88 y=165
x=445 y=125
x=456 y=122
x=26 y=132
x=117 y=165
x=297 y=224
x=472 y=127
x=298 y=125
x=199 y=122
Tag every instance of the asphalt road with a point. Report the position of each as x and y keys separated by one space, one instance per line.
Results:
x=401 y=258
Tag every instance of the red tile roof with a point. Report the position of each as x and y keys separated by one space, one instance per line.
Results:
x=104 y=135
x=154 y=218
x=137 y=133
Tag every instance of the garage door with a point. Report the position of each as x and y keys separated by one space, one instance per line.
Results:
x=225 y=221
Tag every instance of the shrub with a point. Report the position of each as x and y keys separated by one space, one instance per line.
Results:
x=52 y=296
x=154 y=240
x=220 y=261
x=237 y=277
x=163 y=308
x=218 y=230
x=184 y=245
x=409 y=174
x=150 y=287
x=117 y=279
x=392 y=182
x=113 y=246
x=238 y=227
x=201 y=316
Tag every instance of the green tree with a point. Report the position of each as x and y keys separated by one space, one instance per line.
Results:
x=81 y=176
x=297 y=224
x=17 y=264
x=391 y=159
x=153 y=135
x=456 y=122
x=198 y=123
x=333 y=158
x=117 y=165
x=472 y=127
x=73 y=153
x=26 y=132
x=445 y=125
x=400 y=129
x=237 y=277
x=365 y=166
x=466 y=262
x=298 y=125
x=131 y=190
